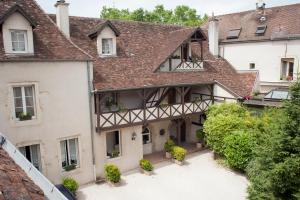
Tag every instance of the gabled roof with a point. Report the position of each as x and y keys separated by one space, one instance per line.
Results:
x=101 y=26
x=19 y=9
x=282 y=22
x=142 y=47
x=14 y=183
x=50 y=44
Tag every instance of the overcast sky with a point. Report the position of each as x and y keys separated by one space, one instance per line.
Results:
x=91 y=8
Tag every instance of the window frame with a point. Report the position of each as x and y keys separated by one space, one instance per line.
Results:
x=120 y=144
x=40 y=168
x=231 y=35
x=24 y=104
x=68 y=160
x=25 y=40
x=110 y=47
x=286 y=63
x=149 y=135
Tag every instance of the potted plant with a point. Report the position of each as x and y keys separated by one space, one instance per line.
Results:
x=70 y=167
x=146 y=167
x=112 y=174
x=178 y=155
x=25 y=116
x=200 y=136
x=71 y=185
x=169 y=147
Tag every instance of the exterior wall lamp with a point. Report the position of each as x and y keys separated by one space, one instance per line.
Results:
x=133 y=136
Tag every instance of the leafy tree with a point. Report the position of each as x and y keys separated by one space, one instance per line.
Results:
x=274 y=173
x=181 y=15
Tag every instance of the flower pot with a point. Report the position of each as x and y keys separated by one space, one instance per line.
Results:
x=168 y=155
x=199 y=145
x=178 y=162
x=149 y=173
x=112 y=184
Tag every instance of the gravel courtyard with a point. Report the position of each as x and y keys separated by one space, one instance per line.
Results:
x=200 y=178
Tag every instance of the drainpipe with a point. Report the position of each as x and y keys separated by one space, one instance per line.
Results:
x=90 y=90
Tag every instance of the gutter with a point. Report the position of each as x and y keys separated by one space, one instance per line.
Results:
x=90 y=93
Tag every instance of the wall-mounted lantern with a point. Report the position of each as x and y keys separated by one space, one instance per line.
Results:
x=133 y=136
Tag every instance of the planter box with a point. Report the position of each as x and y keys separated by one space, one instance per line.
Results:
x=149 y=173
x=178 y=162
x=114 y=184
x=168 y=155
x=200 y=145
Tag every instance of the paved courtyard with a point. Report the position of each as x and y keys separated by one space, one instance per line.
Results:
x=200 y=178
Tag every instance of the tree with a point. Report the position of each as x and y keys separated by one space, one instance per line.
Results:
x=274 y=172
x=181 y=15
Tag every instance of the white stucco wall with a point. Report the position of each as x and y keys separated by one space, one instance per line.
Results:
x=17 y=22
x=158 y=141
x=266 y=56
x=63 y=105
x=107 y=33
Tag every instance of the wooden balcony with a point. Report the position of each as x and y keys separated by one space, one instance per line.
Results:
x=190 y=65
x=120 y=119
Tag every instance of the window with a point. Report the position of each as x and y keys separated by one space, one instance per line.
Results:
x=146 y=136
x=113 y=147
x=24 y=102
x=69 y=153
x=107 y=46
x=234 y=34
x=278 y=94
x=19 y=40
x=32 y=153
x=252 y=65
x=287 y=69
x=260 y=30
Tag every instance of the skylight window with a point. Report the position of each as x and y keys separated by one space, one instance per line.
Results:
x=260 y=30
x=278 y=94
x=234 y=33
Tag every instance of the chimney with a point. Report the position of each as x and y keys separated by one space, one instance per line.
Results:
x=213 y=36
x=62 y=17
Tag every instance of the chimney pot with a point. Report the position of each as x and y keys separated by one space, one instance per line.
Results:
x=62 y=17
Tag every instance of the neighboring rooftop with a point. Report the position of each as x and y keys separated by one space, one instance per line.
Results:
x=14 y=183
x=142 y=48
x=274 y=23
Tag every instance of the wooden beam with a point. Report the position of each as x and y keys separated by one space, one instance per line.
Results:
x=163 y=96
x=98 y=110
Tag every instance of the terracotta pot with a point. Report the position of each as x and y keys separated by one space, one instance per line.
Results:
x=168 y=155
x=149 y=173
x=199 y=145
x=178 y=162
x=114 y=184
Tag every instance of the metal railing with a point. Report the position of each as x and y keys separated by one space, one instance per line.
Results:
x=50 y=191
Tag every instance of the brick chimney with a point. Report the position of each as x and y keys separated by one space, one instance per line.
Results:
x=62 y=17
x=213 y=36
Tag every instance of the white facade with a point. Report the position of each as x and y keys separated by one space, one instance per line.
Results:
x=266 y=56
x=62 y=105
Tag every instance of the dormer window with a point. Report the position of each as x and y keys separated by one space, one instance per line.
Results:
x=107 y=46
x=19 y=41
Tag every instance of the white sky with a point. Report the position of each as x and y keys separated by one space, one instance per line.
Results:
x=91 y=8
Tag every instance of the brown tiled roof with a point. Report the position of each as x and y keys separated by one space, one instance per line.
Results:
x=49 y=42
x=282 y=22
x=14 y=183
x=141 y=48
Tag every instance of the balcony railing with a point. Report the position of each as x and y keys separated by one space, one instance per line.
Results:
x=140 y=116
x=190 y=65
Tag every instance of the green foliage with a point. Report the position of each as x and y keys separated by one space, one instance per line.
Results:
x=200 y=134
x=24 y=116
x=146 y=165
x=275 y=170
x=238 y=149
x=70 y=167
x=181 y=15
x=169 y=145
x=178 y=153
x=71 y=184
x=112 y=173
x=227 y=109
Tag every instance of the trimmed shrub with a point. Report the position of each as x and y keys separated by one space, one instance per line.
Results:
x=200 y=135
x=112 y=173
x=169 y=145
x=178 y=153
x=238 y=149
x=71 y=184
x=146 y=165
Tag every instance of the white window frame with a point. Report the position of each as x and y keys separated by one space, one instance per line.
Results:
x=120 y=145
x=68 y=152
x=25 y=40
x=39 y=154
x=24 y=99
x=149 y=134
x=110 y=48
x=285 y=74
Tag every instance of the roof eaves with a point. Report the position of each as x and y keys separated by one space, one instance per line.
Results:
x=99 y=29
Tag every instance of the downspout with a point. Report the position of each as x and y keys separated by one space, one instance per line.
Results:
x=90 y=90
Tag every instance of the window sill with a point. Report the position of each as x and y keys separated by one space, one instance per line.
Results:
x=113 y=159
x=13 y=54
x=108 y=56
x=77 y=169
x=18 y=123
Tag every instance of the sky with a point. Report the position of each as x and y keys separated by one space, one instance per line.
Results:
x=91 y=8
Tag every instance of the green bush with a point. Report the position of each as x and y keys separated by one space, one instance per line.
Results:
x=71 y=184
x=200 y=135
x=178 y=153
x=227 y=109
x=238 y=149
x=146 y=165
x=112 y=173
x=169 y=145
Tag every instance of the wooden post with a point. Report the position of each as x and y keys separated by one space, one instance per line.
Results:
x=98 y=110
x=182 y=99
x=144 y=105
x=201 y=44
x=212 y=94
